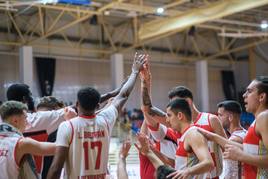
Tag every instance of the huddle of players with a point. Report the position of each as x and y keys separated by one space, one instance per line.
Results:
x=197 y=137
x=186 y=143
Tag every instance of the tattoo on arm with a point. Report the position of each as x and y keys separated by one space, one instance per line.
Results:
x=105 y=97
x=124 y=93
x=156 y=112
x=146 y=100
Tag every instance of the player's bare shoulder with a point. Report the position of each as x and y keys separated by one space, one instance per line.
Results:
x=262 y=122
x=213 y=118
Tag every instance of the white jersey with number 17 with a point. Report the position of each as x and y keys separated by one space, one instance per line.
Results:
x=88 y=139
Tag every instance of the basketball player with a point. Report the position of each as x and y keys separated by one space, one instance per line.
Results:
x=83 y=142
x=47 y=103
x=207 y=121
x=254 y=151
x=165 y=148
x=15 y=150
x=229 y=114
x=43 y=123
x=143 y=146
x=192 y=155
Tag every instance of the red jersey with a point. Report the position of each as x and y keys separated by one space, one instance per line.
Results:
x=253 y=144
x=166 y=143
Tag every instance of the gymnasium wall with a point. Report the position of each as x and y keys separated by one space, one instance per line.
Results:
x=74 y=71
x=73 y=74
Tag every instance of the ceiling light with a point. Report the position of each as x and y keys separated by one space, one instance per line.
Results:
x=160 y=10
x=264 y=25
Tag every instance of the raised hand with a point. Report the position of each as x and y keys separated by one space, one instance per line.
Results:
x=125 y=148
x=138 y=62
x=145 y=73
x=143 y=146
x=145 y=76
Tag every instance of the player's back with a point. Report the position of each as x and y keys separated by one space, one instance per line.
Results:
x=9 y=168
x=88 y=152
x=8 y=142
x=87 y=139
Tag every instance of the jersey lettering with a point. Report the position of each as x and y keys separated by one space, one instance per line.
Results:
x=3 y=153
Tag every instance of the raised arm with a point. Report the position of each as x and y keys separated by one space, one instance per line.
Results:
x=145 y=76
x=106 y=96
x=152 y=114
x=124 y=93
x=110 y=94
x=121 y=167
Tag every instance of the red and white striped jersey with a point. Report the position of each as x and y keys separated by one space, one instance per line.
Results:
x=202 y=121
x=88 y=140
x=185 y=159
x=253 y=144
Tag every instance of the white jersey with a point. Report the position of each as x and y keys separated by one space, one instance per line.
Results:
x=232 y=169
x=88 y=139
x=166 y=140
x=40 y=125
x=47 y=121
x=9 y=168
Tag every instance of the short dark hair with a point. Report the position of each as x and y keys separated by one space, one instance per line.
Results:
x=17 y=91
x=50 y=103
x=11 y=108
x=163 y=171
x=88 y=98
x=181 y=105
x=262 y=86
x=181 y=92
x=230 y=105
